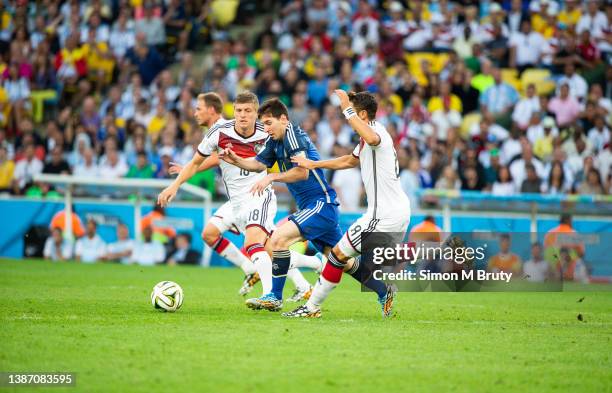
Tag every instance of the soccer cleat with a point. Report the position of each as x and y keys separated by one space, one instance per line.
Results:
x=300 y=294
x=303 y=312
x=323 y=259
x=249 y=282
x=268 y=302
x=386 y=302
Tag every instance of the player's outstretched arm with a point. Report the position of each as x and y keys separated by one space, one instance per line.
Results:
x=293 y=175
x=210 y=162
x=343 y=162
x=250 y=164
x=361 y=127
x=168 y=194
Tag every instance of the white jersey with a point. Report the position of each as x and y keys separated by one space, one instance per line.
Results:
x=238 y=181
x=380 y=175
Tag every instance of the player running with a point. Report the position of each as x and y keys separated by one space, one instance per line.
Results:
x=388 y=206
x=252 y=215
x=317 y=217
x=208 y=112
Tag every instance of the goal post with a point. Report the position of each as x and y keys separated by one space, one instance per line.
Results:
x=136 y=186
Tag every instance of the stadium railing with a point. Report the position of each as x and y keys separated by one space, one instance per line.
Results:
x=531 y=204
x=136 y=188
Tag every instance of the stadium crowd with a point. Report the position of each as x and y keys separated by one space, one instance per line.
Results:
x=501 y=97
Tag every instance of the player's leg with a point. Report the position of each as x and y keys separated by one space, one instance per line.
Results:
x=258 y=220
x=303 y=289
x=281 y=239
x=223 y=221
x=255 y=238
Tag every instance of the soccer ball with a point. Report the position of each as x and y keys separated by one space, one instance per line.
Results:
x=167 y=296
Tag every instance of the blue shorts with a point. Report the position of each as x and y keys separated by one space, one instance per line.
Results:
x=318 y=223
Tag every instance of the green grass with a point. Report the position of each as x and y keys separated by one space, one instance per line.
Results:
x=97 y=321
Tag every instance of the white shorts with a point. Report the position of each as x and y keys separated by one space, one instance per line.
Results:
x=224 y=220
x=256 y=211
x=350 y=244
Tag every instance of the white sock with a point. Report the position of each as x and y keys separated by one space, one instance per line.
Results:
x=263 y=264
x=235 y=256
x=298 y=279
x=321 y=291
x=301 y=260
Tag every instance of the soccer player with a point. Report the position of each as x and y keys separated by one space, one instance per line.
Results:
x=388 y=206
x=251 y=215
x=208 y=113
x=209 y=107
x=317 y=217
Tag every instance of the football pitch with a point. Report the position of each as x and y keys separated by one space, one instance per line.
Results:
x=98 y=322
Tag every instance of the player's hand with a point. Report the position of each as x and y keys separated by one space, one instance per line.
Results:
x=166 y=196
x=344 y=99
x=303 y=162
x=228 y=156
x=259 y=187
x=174 y=168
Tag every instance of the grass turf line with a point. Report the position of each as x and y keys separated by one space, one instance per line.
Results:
x=97 y=321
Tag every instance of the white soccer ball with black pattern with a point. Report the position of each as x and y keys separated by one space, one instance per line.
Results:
x=167 y=296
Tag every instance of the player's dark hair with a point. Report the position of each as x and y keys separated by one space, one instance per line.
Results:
x=364 y=101
x=212 y=100
x=430 y=218
x=273 y=107
x=246 y=97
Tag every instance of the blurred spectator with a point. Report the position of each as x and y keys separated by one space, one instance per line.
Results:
x=142 y=169
x=592 y=185
x=543 y=143
x=599 y=135
x=56 y=247
x=449 y=179
x=88 y=166
x=146 y=59
x=504 y=186
x=150 y=27
x=532 y=182
x=536 y=269
x=505 y=261
x=113 y=166
x=59 y=221
x=526 y=108
x=426 y=231
x=571 y=268
x=565 y=108
x=526 y=47
x=57 y=165
x=26 y=169
x=184 y=254
x=519 y=168
x=90 y=248
x=162 y=232
x=577 y=85
x=147 y=251
x=557 y=183
x=499 y=99
x=7 y=168
x=121 y=249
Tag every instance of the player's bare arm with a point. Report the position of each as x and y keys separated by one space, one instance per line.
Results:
x=360 y=126
x=210 y=162
x=343 y=162
x=293 y=175
x=250 y=164
x=168 y=194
